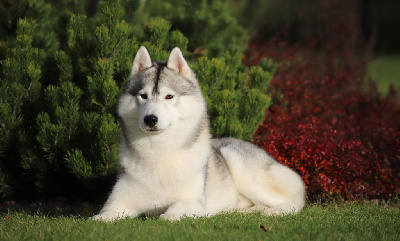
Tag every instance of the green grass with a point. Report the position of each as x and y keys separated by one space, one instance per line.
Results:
x=332 y=222
x=385 y=70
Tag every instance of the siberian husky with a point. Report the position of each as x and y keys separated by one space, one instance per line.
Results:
x=171 y=166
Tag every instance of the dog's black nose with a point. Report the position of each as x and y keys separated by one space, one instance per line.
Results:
x=150 y=120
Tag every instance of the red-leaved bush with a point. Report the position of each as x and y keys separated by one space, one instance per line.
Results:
x=327 y=123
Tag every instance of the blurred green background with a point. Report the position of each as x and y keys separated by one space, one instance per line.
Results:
x=380 y=20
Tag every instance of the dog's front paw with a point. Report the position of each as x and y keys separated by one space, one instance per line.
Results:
x=107 y=216
x=170 y=217
x=183 y=208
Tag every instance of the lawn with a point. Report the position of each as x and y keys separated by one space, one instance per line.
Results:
x=385 y=70
x=316 y=222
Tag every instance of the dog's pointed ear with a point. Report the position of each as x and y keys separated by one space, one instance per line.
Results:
x=142 y=61
x=178 y=63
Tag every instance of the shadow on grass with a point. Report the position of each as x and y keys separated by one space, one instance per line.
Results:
x=56 y=208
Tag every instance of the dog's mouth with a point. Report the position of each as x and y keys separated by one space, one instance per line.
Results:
x=153 y=130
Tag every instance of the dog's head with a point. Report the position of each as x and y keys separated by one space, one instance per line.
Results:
x=159 y=94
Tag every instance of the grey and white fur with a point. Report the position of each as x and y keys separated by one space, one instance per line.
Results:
x=172 y=167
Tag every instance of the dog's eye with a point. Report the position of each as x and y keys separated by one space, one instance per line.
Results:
x=168 y=97
x=143 y=96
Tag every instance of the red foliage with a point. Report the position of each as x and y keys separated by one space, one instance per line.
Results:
x=326 y=122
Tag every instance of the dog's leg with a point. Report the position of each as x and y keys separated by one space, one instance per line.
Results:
x=273 y=188
x=115 y=208
x=269 y=199
x=184 y=208
x=121 y=203
x=271 y=206
x=112 y=215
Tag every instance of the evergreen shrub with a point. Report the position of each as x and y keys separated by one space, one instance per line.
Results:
x=63 y=67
